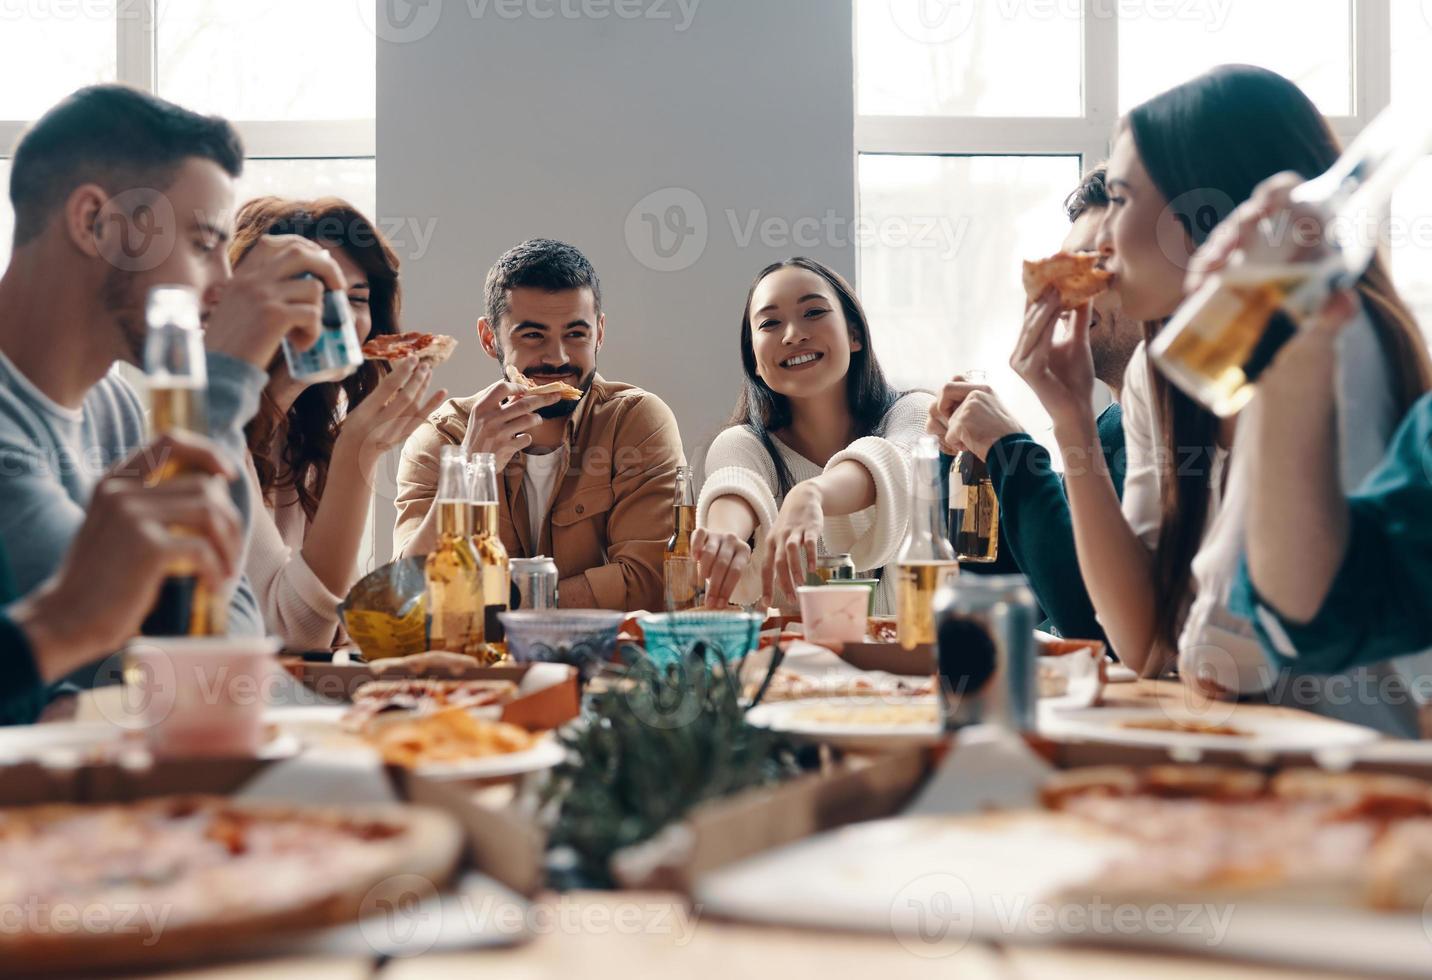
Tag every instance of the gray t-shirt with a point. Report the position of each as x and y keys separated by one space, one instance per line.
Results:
x=51 y=457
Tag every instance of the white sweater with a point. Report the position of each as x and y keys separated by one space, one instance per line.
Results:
x=738 y=465
x=1214 y=640
x=297 y=607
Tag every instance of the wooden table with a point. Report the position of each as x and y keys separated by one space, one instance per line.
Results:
x=587 y=942
x=717 y=950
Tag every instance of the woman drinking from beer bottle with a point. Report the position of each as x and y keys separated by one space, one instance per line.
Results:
x=1338 y=580
x=315 y=447
x=1160 y=570
x=816 y=457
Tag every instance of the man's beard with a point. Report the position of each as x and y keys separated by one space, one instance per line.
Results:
x=563 y=408
x=1109 y=357
x=122 y=299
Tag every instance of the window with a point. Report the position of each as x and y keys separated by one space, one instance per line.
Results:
x=981 y=114
x=298 y=78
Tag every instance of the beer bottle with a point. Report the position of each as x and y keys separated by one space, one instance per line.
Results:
x=927 y=562
x=682 y=574
x=454 y=581
x=974 y=508
x=491 y=553
x=178 y=384
x=1222 y=338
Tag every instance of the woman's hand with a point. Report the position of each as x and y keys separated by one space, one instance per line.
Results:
x=790 y=550
x=1060 y=371
x=722 y=558
x=391 y=412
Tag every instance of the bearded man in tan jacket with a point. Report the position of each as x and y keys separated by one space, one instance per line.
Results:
x=587 y=482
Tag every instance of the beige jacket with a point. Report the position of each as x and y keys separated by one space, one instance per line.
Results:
x=611 y=510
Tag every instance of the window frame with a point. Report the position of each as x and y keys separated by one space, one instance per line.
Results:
x=1088 y=135
x=137 y=64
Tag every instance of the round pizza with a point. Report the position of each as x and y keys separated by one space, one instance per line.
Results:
x=428 y=348
x=119 y=886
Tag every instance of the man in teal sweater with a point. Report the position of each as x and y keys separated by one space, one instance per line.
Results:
x=1036 y=530
x=131 y=535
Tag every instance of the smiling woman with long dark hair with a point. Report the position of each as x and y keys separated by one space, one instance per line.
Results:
x=1161 y=570
x=815 y=459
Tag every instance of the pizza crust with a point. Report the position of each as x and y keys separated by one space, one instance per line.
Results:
x=1075 y=275
x=227 y=907
x=428 y=348
x=567 y=392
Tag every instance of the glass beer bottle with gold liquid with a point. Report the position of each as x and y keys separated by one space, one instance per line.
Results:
x=454 y=580
x=492 y=560
x=1223 y=336
x=974 y=507
x=927 y=562
x=682 y=576
x=178 y=384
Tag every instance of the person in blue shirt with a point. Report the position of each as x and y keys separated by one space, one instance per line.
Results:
x=131 y=535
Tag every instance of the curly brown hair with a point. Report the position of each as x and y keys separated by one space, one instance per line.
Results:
x=313 y=420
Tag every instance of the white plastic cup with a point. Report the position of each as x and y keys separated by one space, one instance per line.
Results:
x=201 y=696
x=834 y=613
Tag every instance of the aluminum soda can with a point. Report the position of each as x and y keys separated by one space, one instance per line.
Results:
x=534 y=583
x=986 y=659
x=337 y=353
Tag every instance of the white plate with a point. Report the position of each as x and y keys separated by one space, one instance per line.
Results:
x=321 y=724
x=1263 y=733
x=81 y=742
x=937 y=883
x=787 y=717
x=542 y=756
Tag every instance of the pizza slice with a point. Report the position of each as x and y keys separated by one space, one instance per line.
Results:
x=1076 y=275
x=428 y=348
x=568 y=392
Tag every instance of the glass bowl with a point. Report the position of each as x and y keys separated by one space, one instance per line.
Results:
x=670 y=636
x=583 y=638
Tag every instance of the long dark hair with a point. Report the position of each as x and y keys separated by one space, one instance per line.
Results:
x=1206 y=145
x=313 y=419
x=764 y=411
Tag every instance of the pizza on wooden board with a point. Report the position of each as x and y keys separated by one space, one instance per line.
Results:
x=428 y=348
x=180 y=878
x=1076 y=275
x=567 y=392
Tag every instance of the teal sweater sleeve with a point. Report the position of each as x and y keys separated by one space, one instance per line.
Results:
x=1380 y=603
x=1037 y=527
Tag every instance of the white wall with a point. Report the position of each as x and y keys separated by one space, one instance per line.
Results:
x=498 y=122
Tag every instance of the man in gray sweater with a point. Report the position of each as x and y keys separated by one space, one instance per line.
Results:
x=114 y=192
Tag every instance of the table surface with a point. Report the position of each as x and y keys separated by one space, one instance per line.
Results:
x=620 y=935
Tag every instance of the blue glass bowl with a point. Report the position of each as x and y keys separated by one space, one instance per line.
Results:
x=583 y=638
x=670 y=636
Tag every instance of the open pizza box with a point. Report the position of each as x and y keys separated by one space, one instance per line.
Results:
x=975 y=857
x=499 y=864
x=721 y=832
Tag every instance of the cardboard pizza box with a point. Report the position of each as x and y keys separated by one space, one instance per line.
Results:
x=721 y=832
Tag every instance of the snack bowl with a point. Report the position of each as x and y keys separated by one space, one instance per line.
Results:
x=581 y=637
x=670 y=636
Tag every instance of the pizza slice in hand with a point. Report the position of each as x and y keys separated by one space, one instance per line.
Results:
x=428 y=348
x=567 y=392
x=1076 y=275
